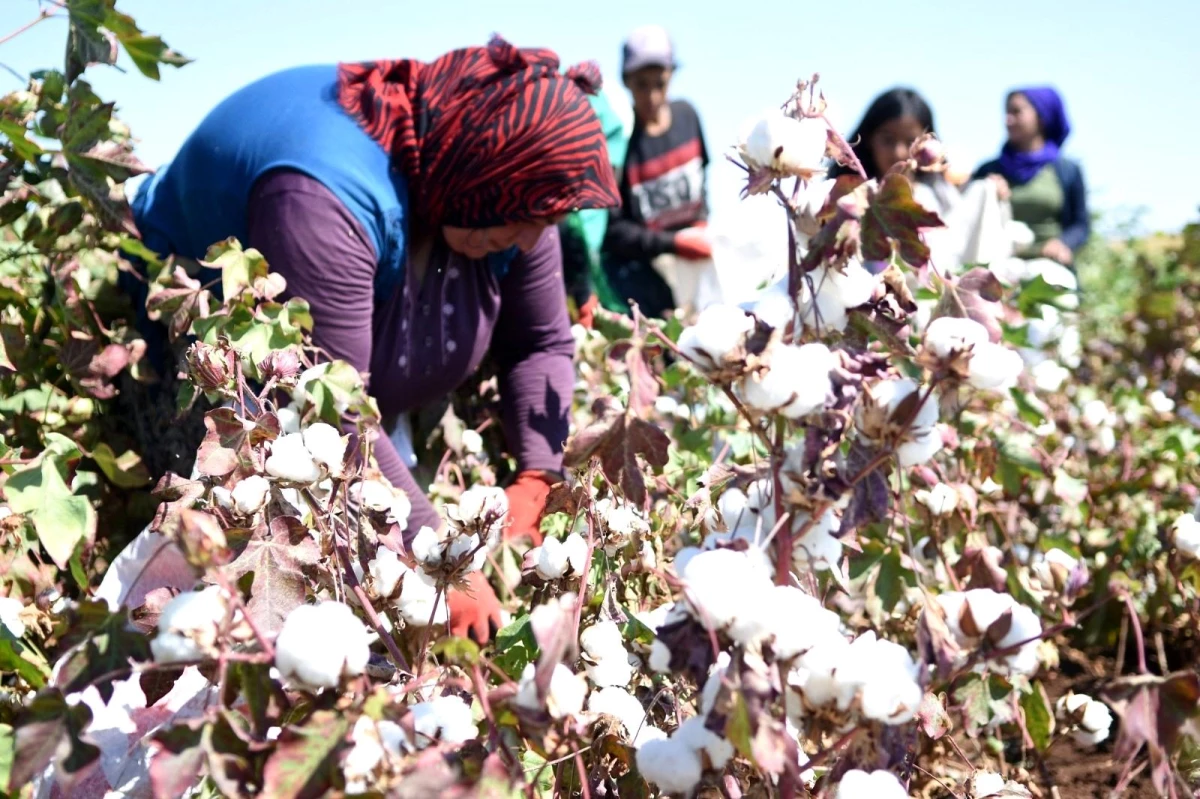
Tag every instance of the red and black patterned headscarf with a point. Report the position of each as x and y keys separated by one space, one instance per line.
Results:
x=486 y=135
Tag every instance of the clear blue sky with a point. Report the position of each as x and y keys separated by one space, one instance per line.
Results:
x=1127 y=69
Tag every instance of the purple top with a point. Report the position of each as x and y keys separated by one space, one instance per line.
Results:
x=429 y=338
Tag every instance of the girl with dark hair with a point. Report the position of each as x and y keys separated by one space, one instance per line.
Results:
x=892 y=123
x=414 y=206
x=1047 y=191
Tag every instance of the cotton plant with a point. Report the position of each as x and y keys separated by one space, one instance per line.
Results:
x=320 y=645
x=982 y=616
x=1088 y=719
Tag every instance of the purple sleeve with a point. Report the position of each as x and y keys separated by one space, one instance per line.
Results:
x=308 y=236
x=533 y=347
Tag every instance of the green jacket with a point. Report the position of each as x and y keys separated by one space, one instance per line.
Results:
x=583 y=231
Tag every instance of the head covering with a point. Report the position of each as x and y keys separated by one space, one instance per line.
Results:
x=486 y=135
x=647 y=46
x=1020 y=167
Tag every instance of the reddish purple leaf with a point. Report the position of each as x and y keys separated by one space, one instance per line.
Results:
x=892 y=222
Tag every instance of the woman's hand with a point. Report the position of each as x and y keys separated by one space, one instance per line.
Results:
x=475 y=611
x=526 y=501
x=1003 y=190
x=1056 y=250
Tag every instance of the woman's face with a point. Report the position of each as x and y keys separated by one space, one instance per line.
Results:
x=1021 y=120
x=479 y=242
x=891 y=142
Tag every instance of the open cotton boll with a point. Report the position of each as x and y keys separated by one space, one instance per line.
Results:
x=426 y=547
x=671 y=764
x=858 y=784
x=576 y=549
x=787 y=604
x=921 y=441
x=606 y=660
x=718 y=331
x=1096 y=414
x=372 y=494
x=319 y=644
x=701 y=739
x=622 y=705
x=188 y=626
x=985 y=606
x=884 y=676
x=720 y=583
x=10 y=616
x=549 y=559
x=818 y=549
x=796 y=383
x=1091 y=719
x=660 y=657
x=1025 y=629
x=446 y=718
x=1186 y=532
x=942 y=500
x=1049 y=376
x=564 y=696
x=994 y=367
x=326 y=445
x=986 y=783
x=386 y=570
x=291 y=461
x=773 y=306
x=250 y=494
x=784 y=144
x=416 y=603
x=814 y=671
x=289 y=419
x=947 y=335
x=482 y=510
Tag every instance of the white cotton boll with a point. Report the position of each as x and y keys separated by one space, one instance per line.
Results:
x=1091 y=719
x=1054 y=560
x=416 y=600
x=426 y=547
x=814 y=672
x=188 y=626
x=577 y=553
x=783 y=143
x=701 y=739
x=985 y=784
x=994 y=367
x=400 y=510
x=942 y=500
x=799 y=622
x=947 y=335
x=986 y=606
x=250 y=494
x=833 y=293
x=446 y=718
x=291 y=461
x=364 y=756
x=386 y=570
x=813 y=196
x=852 y=287
x=1025 y=629
x=564 y=696
x=819 y=549
x=646 y=557
x=712 y=684
x=773 y=306
x=472 y=442
x=326 y=445
x=603 y=640
x=1049 y=376
x=921 y=449
x=952 y=604
x=550 y=559
x=1096 y=414
x=660 y=657
x=719 y=585
x=1186 y=532
x=1010 y=271
x=222 y=497
x=890 y=692
x=319 y=644
x=671 y=764
x=622 y=705
x=479 y=505
x=796 y=383
x=858 y=784
x=1160 y=402
x=289 y=419
x=719 y=330
x=372 y=494
x=10 y=616
x=463 y=545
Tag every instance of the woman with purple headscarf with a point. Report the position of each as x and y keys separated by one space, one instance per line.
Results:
x=1046 y=190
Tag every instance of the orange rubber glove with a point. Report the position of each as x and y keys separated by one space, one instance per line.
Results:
x=475 y=612
x=526 y=501
x=587 y=311
x=692 y=244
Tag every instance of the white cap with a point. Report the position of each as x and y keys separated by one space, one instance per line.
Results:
x=647 y=46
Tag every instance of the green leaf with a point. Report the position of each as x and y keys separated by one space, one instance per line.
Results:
x=515 y=647
x=8 y=743
x=302 y=765
x=1039 y=721
x=872 y=553
x=77 y=571
x=238 y=267
x=17 y=656
x=147 y=52
x=635 y=630
x=534 y=765
x=1038 y=292
x=458 y=651
x=1025 y=407
x=23 y=147
x=976 y=702
x=62 y=520
x=738 y=729
x=135 y=248
x=123 y=471
x=889 y=587
x=105 y=653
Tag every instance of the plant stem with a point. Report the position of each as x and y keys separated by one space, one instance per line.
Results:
x=1136 y=623
x=841 y=142
x=43 y=15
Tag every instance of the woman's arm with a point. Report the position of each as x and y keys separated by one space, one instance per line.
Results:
x=1076 y=222
x=533 y=348
x=308 y=236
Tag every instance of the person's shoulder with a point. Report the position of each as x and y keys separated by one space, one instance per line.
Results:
x=991 y=167
x=1069 y=169
x=684 y=109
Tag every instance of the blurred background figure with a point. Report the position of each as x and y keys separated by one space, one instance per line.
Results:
x=664 y=204
x=582 y=232
x=884 y=137
x=1046 y=190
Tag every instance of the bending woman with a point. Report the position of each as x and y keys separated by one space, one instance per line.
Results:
x=413 y=205
x=1047 y=191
